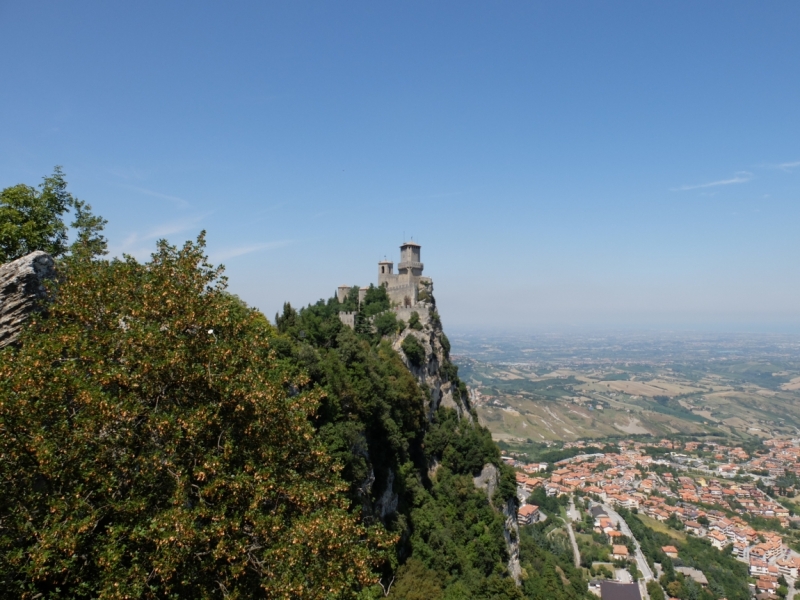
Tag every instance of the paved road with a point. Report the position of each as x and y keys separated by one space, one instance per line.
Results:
x=574 y=515
x=641 y=563
x=575 y=553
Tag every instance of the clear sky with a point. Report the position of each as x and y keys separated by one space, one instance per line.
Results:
x=602 y=164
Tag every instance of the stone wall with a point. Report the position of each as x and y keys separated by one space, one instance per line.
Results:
x=348 y=318
x=21 y=288
x=404 y=312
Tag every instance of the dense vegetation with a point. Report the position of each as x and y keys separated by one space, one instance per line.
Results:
x=727 y=577
x=160 y=439
x=548 y=567
x=154 y=446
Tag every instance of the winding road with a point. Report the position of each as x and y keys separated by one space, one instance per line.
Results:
x=641 y=563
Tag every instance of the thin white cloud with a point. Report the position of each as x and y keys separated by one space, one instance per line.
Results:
x=179 y=201
x=740 y=177
x=788 y=166
x=140 y=246
x=226 y=253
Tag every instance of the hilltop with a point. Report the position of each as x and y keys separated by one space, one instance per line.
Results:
x=163 y=439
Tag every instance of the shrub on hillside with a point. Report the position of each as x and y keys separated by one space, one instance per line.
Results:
x=414 y=322
x=413 y=350
x=386 y=323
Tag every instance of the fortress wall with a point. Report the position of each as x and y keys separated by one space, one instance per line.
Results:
x=348 y=318
x=397 y=293
x=405 y=312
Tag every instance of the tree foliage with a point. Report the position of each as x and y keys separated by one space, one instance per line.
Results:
x=153 y=446
x=32 y=219
x=548 y=568
x=160 y=439
x=413 y=350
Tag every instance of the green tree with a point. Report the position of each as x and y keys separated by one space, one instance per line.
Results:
x=654 y=591
x=386 y=323
x=153 y=447
x=413 y=350
x=89 y=241
x=32 y=219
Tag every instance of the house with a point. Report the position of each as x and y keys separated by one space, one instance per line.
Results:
x=694 y=528
x=766 y=585
x=758 y=567
x=598 y=511
x=613 y=590
x=528 y=514
x=739 y=549
x=670 y=551
x=695 y=574
x=619 y=552
x=604 y=525
x=787 y=568
x=718 y=540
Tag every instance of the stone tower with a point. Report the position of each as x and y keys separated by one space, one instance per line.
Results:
x=403 y=287
x=407 y=289
x=385 y=272
x=410 y=265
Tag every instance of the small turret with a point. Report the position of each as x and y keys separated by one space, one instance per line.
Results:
x=385 y=272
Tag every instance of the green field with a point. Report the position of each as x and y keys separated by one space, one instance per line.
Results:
x=743 y=400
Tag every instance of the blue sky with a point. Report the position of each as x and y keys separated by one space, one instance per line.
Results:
x=573 y=164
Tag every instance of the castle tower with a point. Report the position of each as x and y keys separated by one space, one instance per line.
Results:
x=385 y=272
x=342 y=292
x=410 y=265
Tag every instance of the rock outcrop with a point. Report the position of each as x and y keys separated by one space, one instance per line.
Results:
x=488 y=480
x=431 y=374
x=21 y=289
x=434 y=374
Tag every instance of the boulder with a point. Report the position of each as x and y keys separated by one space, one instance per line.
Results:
x=21 y=289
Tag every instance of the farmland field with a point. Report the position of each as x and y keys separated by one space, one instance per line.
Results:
x=569 y=388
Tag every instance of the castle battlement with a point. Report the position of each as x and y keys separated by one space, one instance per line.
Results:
x=402 y=287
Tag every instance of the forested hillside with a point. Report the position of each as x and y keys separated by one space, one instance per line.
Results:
x=161 y=439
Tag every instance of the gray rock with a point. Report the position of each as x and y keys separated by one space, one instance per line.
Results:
x=21 y=287
x=488 y=480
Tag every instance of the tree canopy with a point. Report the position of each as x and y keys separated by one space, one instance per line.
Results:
x=153 y=446
x=160 y=439
x=33 y=219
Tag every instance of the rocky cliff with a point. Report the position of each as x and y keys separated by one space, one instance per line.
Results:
x=488 y=480
x=436 y=372
x=439 y=376
x=21 y=287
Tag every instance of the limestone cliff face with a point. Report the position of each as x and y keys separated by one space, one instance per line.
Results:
x=489 y=480
x=431 y=373
x=21 y=286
